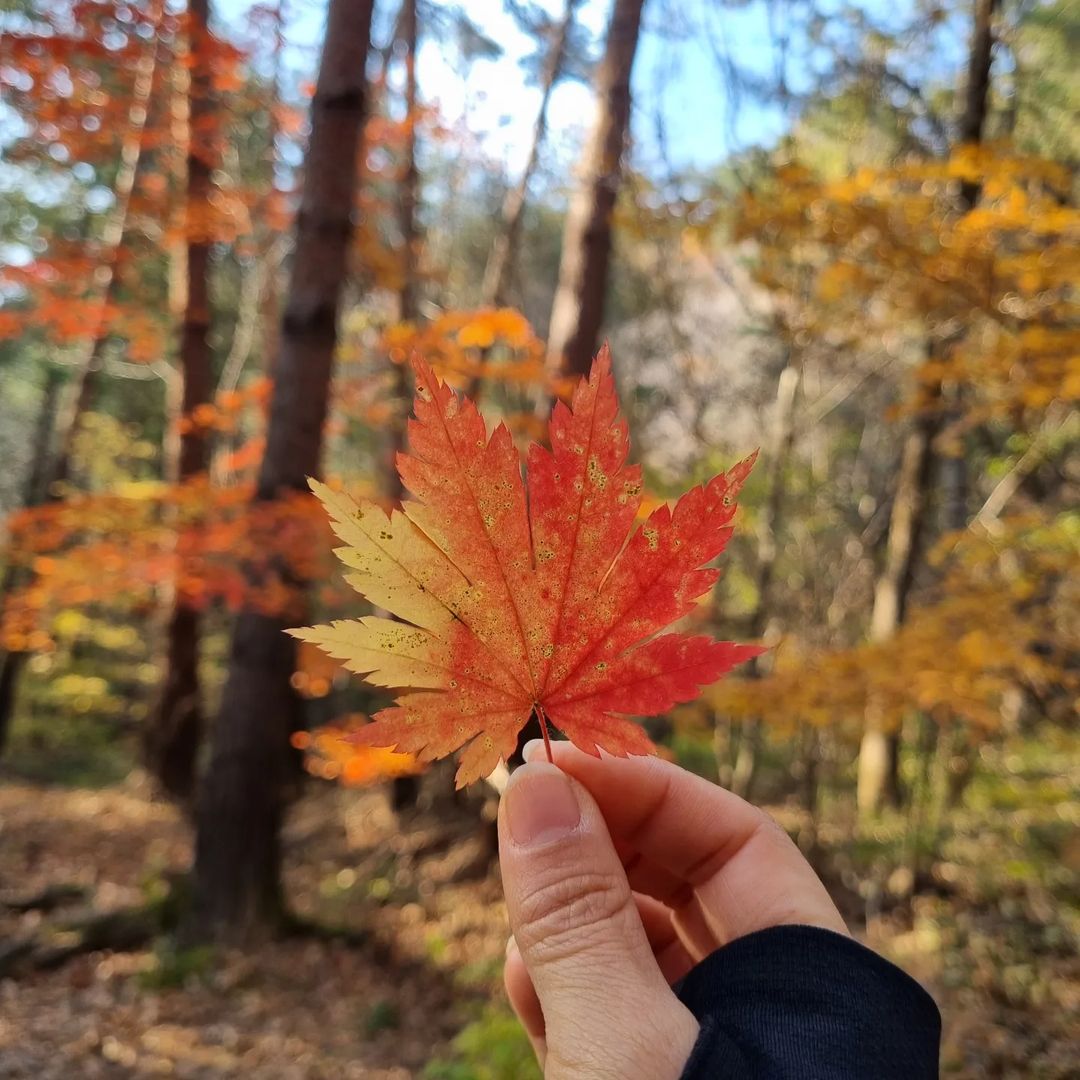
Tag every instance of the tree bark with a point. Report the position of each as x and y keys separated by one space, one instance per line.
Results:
x=744 y=770
x=405 y=789
x=174 y=729
x=578 y=308
x=878 y=767
x=105 y=280
x=878 y=777
x=258 y=304
x=809 y=767
x=242 y=798
x=410 y=177
x=14 y=572
x=501 y=261
x=972 y=127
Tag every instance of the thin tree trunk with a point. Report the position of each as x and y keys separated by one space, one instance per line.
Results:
x=14 y=571
x=257 y=305
x=34 y=489
x=242 y=798
x=405 y=789
x=261 y=287
x=878 y=768
x=253 y=301
x=410 y=178
x=174 y=729
x=10 y=673
x=954 y=477
x=578 y=308
x=972 y=126
x=501 y=261
x=808 y=775
x=878 y=753
x=744 y=770
x=105 y=280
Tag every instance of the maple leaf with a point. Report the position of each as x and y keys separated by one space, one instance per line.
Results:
x=509 y=602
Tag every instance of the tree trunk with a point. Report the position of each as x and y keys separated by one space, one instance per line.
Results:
x=500 y=264
x=578 y=308
x=259 y=288
x=10 y=673
x=174 y=729
x=744 y=770
x=105 y=281
x=14 y=572
x=972 y=125
x=954 y=478
x=410 y=176
x=405 y=789
x=878 y=754
x=257 y=314
x=809 y=765
x=242 y=798
x=878 y=769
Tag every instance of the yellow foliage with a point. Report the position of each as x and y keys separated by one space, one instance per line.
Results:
x=1008 y=615
x=895 y=247
x=455 y=344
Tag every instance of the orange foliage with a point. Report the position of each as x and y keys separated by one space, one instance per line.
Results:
x=333 y=753
x=225 y=412
x=454 y=344
x=210 y=544
x=69 y=78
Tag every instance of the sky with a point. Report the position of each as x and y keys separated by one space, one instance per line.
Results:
x=686 y=114
x=679 y=78
x=678 y=83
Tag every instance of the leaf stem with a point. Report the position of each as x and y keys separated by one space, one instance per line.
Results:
x=544 y=731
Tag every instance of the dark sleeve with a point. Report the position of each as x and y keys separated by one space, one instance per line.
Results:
x=799 y=1003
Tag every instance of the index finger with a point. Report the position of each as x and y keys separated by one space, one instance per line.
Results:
x=744 y=869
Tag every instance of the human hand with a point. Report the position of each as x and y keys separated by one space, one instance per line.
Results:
x=621 y=874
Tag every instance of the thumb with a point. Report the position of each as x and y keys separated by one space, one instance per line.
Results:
x=608 y=1010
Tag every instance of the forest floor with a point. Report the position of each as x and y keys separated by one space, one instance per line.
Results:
x=422 y=931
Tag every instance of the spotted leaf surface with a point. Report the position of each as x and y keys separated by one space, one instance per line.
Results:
x=508 y=595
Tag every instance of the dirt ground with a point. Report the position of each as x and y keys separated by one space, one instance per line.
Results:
x=426 y=930
x=426 y=902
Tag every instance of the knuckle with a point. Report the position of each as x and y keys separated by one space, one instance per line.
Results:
x=558 y=916
x=769 y=829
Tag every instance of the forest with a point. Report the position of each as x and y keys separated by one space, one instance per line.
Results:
x=239 y=237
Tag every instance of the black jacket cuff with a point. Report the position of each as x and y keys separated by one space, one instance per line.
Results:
x=801 y=1003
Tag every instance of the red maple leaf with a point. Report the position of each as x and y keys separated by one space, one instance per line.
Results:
x=511 y=600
